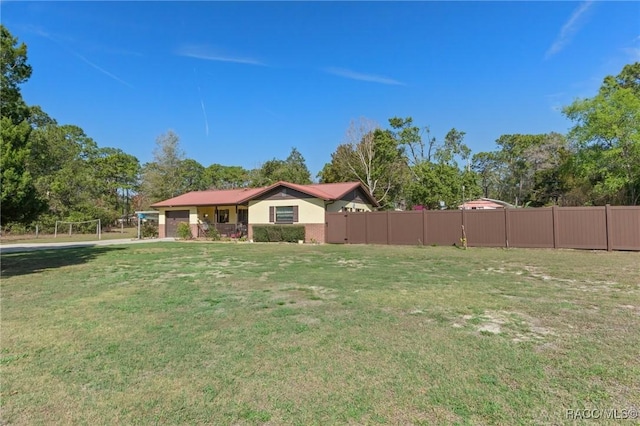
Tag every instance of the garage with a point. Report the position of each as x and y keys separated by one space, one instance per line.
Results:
x=172 y=219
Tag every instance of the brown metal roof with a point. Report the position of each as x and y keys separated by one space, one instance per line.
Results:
x=324 y=191
x=222 y=197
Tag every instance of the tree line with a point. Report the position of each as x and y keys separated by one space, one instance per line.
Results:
x=53 y=171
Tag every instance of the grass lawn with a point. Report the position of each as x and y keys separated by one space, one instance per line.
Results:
x=210 y=333
x=63 y=237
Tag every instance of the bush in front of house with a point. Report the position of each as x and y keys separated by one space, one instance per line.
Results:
x=149 y=230
x=213 y=234
x=278 y=233
x=184 y=231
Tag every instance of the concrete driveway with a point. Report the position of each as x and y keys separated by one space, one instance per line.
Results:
x=13 y=248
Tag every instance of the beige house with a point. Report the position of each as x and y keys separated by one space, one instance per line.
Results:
x=234 y=212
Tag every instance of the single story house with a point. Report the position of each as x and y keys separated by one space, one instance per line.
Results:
x=235 y=211
x=484 y=204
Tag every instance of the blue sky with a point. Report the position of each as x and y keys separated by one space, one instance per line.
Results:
x=242 y=83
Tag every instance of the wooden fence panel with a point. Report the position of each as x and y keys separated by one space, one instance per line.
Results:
x=443 y=227
x=530 y=227
x=377 y=230
x=357 y=228
x=581 y=227
x=624 y=228
x=596 y=228
x=405 y=228
x=485 y=228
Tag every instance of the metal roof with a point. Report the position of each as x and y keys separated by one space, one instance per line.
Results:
x=225 y=197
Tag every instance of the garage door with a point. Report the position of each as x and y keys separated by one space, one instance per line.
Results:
x=172 y=219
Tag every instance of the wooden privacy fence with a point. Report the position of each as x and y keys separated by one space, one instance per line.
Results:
x=601 y=228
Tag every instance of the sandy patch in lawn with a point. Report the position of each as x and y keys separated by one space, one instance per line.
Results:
x=265 y=276
x=517 y=326
x=351 y=263
x=632 y=308
x=324 y=292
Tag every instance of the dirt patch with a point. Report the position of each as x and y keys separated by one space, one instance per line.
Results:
x=517 y=326
x=351 y=263
x=265 y=276
x=324 y=292
x=490 y=327
x=634 y=309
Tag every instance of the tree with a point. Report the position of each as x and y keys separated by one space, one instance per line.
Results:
x=161 y=177
x=15 y=71
x=118 y=175
x=217 y=176
x=410 y=137
x=64 y=167
x=338 y=170
x=372 y=156
x=443 y=181
x=19 y=200
x=607 y=137
x=486 y=164
x=293 y=169
x=192 y=176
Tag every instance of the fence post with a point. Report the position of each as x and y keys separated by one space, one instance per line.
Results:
x=608 y=226
x=556 y=225
x=346 y=227
x=388 y=229
x=424 y=227
x=507 y=225
x=463 y=230
x=36 y=231
x=366 y=228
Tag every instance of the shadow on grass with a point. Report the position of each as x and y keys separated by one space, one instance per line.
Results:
x=29 y=262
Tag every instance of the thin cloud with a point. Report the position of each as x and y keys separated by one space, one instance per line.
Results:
x=569 y=29
x=204 y=113
x=363 y=77
x=54 y=39
x=102 y=70
x=202 y=52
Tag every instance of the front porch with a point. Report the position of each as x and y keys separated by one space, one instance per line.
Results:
x=229 y=221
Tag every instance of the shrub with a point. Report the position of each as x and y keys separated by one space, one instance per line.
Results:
x=212 y=234
x=149 y=230
x=278 y=233
x=184 y=231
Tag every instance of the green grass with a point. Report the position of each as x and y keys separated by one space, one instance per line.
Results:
x=63 y=237
x=205 y=333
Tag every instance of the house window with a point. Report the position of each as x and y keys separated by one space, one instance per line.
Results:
x=223 y=216
x=283 y=214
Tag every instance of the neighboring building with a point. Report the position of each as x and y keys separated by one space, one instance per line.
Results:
x=484 y=204
x=233 y=212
